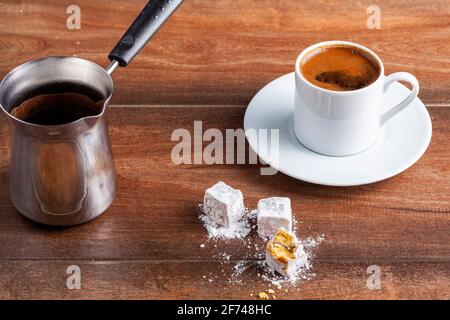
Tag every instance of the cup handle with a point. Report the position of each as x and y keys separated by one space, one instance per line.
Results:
x=400 y=76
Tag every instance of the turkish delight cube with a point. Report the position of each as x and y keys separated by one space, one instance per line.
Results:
x=223 y=204
x=284 y=253
x=274 y=213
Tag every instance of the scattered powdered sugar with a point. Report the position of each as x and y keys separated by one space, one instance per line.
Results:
x=253 y=213
x=224 y=256
x=238 y=269
x=251 y=253
x=236 y=230
x=304 y=270
x=311 y=244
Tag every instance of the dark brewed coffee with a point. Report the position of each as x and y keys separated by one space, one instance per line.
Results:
x=58 y=108
x=340 y=68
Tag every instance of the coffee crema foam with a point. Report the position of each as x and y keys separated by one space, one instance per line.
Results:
x=57 y=108
x=339 y=68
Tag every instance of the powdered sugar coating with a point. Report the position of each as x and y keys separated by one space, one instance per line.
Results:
x=223 y=204
x=274 y=213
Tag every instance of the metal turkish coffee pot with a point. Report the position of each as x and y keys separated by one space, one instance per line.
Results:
x=64 y=174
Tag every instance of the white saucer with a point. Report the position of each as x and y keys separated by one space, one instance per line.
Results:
x=402 y=141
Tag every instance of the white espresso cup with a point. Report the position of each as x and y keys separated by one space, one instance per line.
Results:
x=342 y=123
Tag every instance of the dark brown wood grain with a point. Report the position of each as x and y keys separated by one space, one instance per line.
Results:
x=401 y=223
x=174 y=280
x=223 y=52
x=206 y=64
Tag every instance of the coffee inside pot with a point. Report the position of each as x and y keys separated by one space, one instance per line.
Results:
x=59 y=104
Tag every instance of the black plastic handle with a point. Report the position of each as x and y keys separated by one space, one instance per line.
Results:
x=151 y=18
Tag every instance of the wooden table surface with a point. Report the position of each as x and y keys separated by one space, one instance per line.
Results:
x=206 y=64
